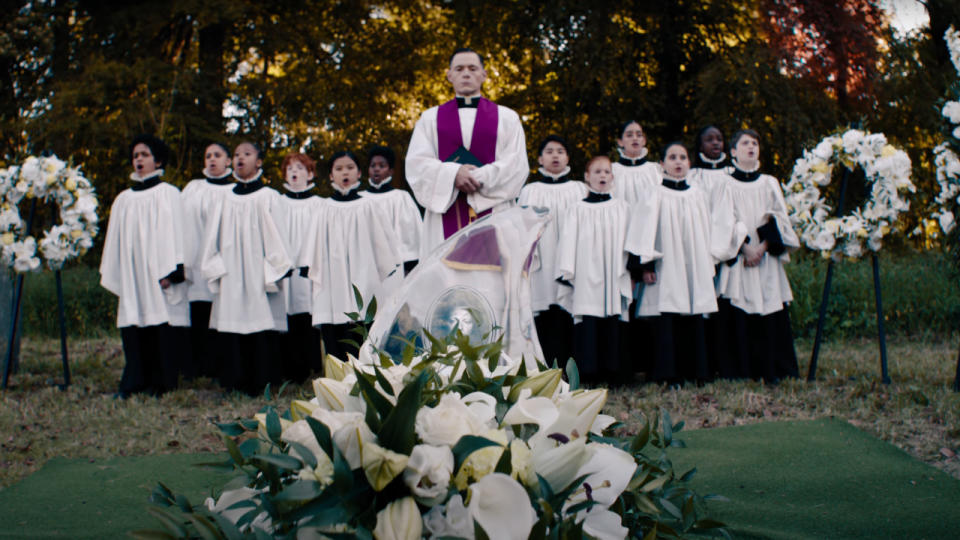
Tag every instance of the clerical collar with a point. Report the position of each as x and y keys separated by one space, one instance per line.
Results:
x=744 y=175
x=674 y=184
x=467 y=102
x=596 y=196
x=145 y=182
x=221 y=180
x=254 y=178
x=245 y=188
x=632 y=162
x=345 y=194
x=550 y=178
x=707 y=163
x=304 y=193
x=382 y=187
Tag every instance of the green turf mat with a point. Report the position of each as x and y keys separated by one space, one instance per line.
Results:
x=100 y=498
x=819 y=479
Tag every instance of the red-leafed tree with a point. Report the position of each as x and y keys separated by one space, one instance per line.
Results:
x=833 y=42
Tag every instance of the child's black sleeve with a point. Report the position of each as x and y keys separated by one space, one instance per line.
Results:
x=768 y=232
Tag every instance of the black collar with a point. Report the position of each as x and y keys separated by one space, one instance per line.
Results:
x=383 y=188
x=146 y=184
x=305 y=194
x=594 y=197
x=462 y=102
x=221 y=181
x=676 y=185
x=351 y=196
x=551 y=180
x=744 y=176
x=244 y=188
x=712 y=166
x=631 y=162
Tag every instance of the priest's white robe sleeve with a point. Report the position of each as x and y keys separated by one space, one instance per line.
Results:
x=503 y=179
x=431 y=179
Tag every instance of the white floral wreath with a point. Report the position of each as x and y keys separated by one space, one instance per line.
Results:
x=46 y=179
x=944 y=155
x=887 y=170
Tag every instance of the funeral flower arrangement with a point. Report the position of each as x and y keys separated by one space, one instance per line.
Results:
x=887 y=171
x=46 y=179
x=459 y=442
x=946 y=153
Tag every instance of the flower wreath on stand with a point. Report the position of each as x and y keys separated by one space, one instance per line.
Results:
x=887 y=171
x=946 y=156
x=46 y=179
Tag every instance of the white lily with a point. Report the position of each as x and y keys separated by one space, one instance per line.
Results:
x=604 y=525
x=538 y=410
x=500 y=505
x=559 y=465
x=335 y=395
x=399 y=520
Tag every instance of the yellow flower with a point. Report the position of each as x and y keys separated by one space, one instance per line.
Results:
x=862 y=233
x=7 y=238
x=888 y=151
x=819 y=167
x=70 y=184
x=483 y=461
x=76 y=233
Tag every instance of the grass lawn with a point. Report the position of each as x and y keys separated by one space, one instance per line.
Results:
x=918 y=412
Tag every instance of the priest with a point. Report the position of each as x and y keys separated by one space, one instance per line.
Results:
x=467 y=157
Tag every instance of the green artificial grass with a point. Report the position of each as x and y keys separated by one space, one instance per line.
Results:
x=805 y=479
x=101 y=498
x=818 y=479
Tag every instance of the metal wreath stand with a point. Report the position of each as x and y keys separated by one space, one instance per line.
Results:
x=881 y=335
x=15 y=319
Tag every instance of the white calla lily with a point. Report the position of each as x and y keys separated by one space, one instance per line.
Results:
x=538 y=410
x=558 y=465
x=500 y=505
x=604 y=525
x=399 y=520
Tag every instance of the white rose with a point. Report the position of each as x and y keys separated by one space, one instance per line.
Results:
x=447 y=422
x=452 y=520
x=946 y=221
x=428 y=472
x=824 y=150
x=951 y=110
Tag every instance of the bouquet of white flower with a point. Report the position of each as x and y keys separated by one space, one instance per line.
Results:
x=946 y=155
x=459 y=442
x=46 y=179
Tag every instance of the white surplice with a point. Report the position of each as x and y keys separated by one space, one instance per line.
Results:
x=244 y=257
x=762 y=289
x=294 y=217
x=677 y=230
x=349 y=244
x=555 y=197
x=432 y=180
x=631 y=182
x=199 y=197
x=144 y=244
x=591 y=256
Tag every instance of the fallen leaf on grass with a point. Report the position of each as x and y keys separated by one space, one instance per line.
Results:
x=947 y=453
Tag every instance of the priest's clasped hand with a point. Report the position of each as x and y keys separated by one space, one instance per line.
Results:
x=465 y=181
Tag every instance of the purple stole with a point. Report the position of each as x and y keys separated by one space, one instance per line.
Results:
x=483 y=145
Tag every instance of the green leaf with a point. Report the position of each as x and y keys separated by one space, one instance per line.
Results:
x=689 y=515
x=281 y=461
x=274 y=428
x=229 y=530
x=398 y=432
x=249 y=447
x=250 y=424
x=353 y=316
x=162 y=495
x=655 y=484
x=371 y=311
x=304 y=453
x=184 y=504
x=373 y=397
x=204 y=528
x=358 y=297
x=342 y=475
x=641 y=439
x=384 y=383
x=573 y=374
x=467 y=445
x=322 y=433
x=299 y=491
x=234 y=451
x=667 y=431
x=671 y=508
x=266 y=392
x=152 y=535
x=688 y=475
x=231 y=428
x=546 y=492
x=582 y=505
x=503 y=465
x=170 y=522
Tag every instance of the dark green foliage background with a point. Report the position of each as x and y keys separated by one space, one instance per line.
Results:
x=921 y=298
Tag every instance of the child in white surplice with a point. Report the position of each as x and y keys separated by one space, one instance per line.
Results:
x=143 y=264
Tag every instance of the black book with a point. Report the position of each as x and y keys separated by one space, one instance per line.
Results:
x=464 y=157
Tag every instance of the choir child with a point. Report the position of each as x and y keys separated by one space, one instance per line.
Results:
x=244 y=258
x=674 y=243
x=294 y=216
x=753 y=288
x=633 y=173
x=708 y=172
x=143 y=264
x=592 y=265
x=198 y=198
x=350 y=244
x=553 y=190
x=399 y=210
